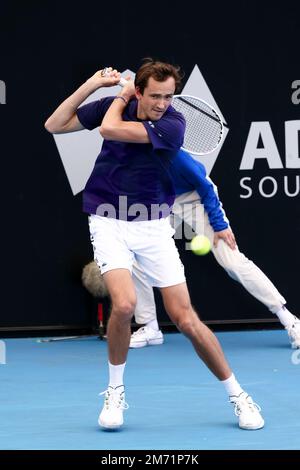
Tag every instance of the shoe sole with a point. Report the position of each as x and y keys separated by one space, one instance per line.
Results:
x=155 y=342
x=109 y=426
x=138 y=345
x=152 y=342
x=252 y=428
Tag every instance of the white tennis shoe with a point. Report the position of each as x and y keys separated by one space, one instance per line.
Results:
x=146 y=336
x=294 y=334
x=247 y=412
x=111 y=416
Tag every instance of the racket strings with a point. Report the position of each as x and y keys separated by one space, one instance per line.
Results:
x=203 y=126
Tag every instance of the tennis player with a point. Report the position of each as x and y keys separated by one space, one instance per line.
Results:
x=198 y=205
x=128 y=198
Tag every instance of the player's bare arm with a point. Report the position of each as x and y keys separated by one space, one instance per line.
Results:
x=114 y=128
x=64 y=118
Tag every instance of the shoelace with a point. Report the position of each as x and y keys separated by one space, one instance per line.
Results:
x=293 y=330
x=243 y=402
x=113 y=397
x=139 y=331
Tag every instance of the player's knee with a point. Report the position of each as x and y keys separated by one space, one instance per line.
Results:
x=185 y=321
x=185 y=326
x=124 y=308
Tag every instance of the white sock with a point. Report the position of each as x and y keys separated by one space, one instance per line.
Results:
x=153 y=324
x=232 y=386
x=285 y=317
x=116 y=374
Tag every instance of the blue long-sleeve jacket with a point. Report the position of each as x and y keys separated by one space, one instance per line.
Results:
x=190 y=175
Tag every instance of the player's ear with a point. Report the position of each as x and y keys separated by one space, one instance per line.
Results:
x=138 y=94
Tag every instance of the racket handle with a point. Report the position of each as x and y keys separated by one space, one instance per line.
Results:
x=122 y=82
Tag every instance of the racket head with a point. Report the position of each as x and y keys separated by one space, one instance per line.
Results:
x=204 y=127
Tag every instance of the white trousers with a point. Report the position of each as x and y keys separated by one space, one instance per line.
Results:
x=189 y=209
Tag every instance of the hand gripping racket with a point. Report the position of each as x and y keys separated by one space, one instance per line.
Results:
x=105 y=73
x=204 y=128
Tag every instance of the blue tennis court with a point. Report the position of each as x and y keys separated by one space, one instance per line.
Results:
x=49 y=395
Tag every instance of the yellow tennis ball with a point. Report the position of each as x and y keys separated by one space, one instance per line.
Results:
x=200 y=245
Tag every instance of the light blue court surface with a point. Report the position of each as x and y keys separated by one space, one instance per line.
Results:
x=49 y=395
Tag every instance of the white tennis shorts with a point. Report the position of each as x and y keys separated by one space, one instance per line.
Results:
x=117 y=243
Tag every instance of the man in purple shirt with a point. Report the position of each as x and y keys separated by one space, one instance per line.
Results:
x=139 y=173
x=128 y=198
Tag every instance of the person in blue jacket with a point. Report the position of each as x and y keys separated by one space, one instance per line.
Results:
x=198 y=205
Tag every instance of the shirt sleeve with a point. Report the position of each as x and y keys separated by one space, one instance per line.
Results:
x=168 y=132
x=195 y=174
x=214 y=208
x=91 y=115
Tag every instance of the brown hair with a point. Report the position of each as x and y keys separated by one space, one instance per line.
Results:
x=160 y=71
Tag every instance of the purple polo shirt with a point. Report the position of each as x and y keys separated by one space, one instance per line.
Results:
x=129 y=180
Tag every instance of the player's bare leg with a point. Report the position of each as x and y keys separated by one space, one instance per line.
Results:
x=121 y=289
x=123 y=299
x=178 y=305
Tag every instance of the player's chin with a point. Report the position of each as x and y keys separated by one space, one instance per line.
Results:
x=156 y=115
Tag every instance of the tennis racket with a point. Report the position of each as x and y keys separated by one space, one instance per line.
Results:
x=204 y=128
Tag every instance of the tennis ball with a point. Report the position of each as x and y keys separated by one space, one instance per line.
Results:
x=200 y=245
